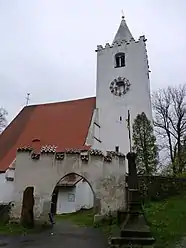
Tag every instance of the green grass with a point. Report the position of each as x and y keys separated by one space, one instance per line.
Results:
x=13 y=229
x=167 y=220
x=16 y=229
x=81 y=218
x=85 y=218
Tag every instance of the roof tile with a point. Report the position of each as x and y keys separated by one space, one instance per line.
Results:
x=62 y=124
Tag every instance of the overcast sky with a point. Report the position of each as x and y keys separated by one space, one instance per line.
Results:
x=47 y=47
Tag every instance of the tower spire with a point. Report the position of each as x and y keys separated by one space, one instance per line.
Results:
x=123 y=32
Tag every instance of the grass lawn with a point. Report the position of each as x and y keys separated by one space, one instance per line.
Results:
x=16 y=229
x=167 y=220
x=85 y=218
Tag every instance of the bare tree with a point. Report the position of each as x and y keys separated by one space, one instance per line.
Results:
x=3 y=121
x=169 y=107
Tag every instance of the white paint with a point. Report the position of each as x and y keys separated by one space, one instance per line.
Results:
x=83 y=198
x=6 y=187
x=114 y=132
x=103 y=177
x=63 y=203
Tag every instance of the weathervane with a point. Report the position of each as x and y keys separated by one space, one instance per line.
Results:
x=27 y=98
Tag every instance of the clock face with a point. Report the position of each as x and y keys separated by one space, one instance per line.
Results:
x=119 y=86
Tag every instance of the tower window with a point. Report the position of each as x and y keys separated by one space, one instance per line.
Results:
x=117 y=149
x=119 y=60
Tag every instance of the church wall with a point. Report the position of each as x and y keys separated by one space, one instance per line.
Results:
x=113 y=130
x=6 y=186
x=84 y=195
x=106 y=178
x=64 y=204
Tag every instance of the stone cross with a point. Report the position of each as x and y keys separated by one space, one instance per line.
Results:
x=134 y=229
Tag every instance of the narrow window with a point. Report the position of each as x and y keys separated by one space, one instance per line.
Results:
x=119 y=60
x=117 y=149
x=120 y=118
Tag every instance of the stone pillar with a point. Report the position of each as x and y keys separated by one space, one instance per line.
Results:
x=134 y=229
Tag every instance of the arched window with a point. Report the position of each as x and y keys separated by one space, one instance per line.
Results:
x=119 y=60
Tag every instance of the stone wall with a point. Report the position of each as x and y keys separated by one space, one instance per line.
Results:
x=156 y=188
x=4 y=213
x=105 y=174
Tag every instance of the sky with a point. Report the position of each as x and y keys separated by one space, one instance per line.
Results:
x=47 y=47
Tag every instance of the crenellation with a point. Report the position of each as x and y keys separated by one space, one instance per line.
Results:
x=25 y=149
x=99 y=47
x=93 y=165
x=96 y=152
x=132 y=40
x=84 y=156
x=107 y=45
x=142 y=38
x=35 y=156
x=59 y=155
x=48 y=149
x=120 y=43
x=108 y=158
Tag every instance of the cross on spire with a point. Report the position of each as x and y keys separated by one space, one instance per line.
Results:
x=27 y=98
x=122 y=14
x=123 y=32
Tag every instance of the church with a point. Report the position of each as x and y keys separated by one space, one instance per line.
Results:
x=99 y=123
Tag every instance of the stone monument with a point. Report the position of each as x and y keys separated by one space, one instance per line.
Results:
x=27 y=216
x=134 y=228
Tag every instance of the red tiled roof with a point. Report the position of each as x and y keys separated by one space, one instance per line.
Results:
x=63 y=124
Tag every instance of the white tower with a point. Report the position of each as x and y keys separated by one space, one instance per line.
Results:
x=122 y=84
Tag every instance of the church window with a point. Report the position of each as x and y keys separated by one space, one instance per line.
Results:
x=119 y=60
x=117 y=149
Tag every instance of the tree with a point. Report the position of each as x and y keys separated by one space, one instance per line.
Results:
x=169 y=107
x=145 y=145
x=3 y=121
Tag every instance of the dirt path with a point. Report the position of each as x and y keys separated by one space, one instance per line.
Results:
x=65 y=235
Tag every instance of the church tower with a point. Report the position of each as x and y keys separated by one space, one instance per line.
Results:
x=122 y=85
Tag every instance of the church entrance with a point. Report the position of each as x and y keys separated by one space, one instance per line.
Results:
x=71 y=194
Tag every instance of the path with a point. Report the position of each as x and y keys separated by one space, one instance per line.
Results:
x=65 y=235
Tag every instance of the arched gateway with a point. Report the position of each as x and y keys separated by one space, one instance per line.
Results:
x=106 y=175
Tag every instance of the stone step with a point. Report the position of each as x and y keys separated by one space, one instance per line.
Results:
x=132 y=241
x=135 y=233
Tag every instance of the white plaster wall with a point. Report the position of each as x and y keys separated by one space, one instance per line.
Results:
x=10 y=173
x=43 y=175
x=84 y=196
x=114 y=132
x=63 y=204
x=6 y=188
